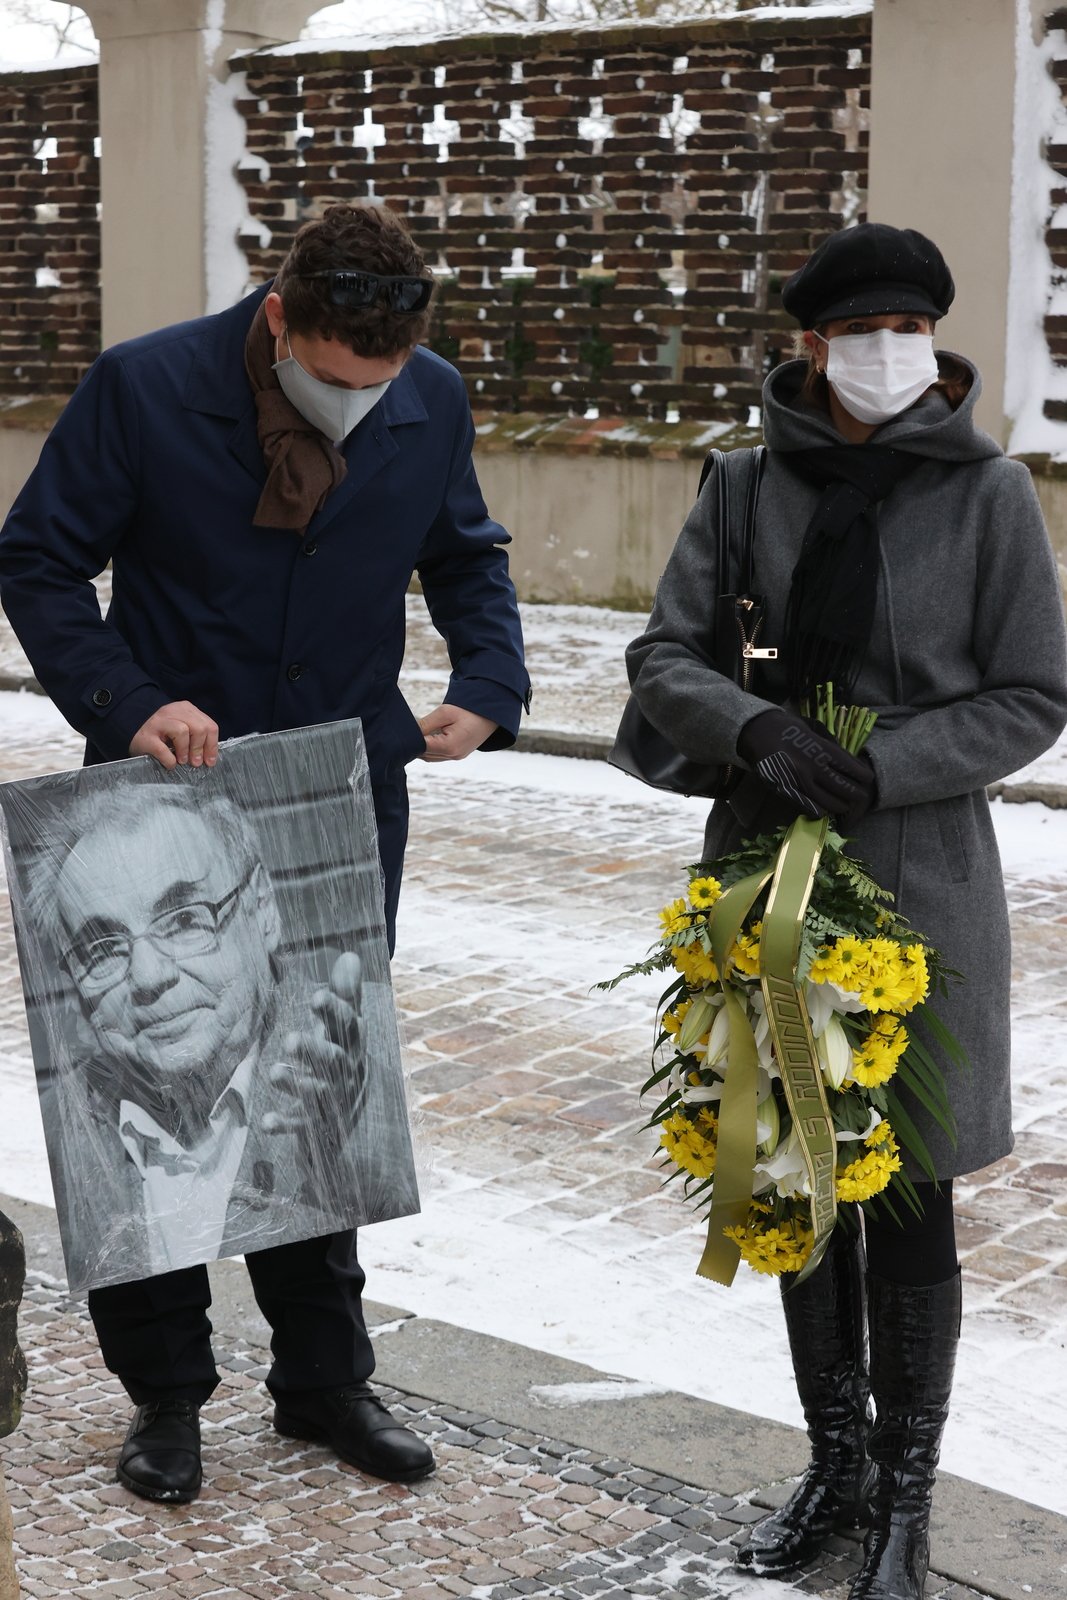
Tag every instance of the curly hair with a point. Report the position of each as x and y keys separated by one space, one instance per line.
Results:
x=367 y=238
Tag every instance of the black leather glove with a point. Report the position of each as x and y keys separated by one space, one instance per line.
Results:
x=806 y=768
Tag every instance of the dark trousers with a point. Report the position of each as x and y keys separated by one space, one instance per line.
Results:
x=155 y=1334
x=916 y=1251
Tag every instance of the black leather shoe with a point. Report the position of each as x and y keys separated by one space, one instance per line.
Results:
x=160 y=1457
x=358 y=1428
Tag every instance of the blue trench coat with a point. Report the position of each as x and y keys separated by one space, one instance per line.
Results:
x=155 y=466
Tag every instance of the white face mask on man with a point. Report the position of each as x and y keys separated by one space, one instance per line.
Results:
x=331 y=409
x=878 y=375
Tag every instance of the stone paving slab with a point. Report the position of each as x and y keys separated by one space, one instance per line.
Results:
x=510 y=1512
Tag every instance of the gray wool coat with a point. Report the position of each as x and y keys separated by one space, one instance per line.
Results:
x=967 y=669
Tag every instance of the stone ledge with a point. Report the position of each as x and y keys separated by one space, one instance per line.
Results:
x=35 y=415
x=38 y=74
x=1042 y=465
x=540 y=39
x=498 y=432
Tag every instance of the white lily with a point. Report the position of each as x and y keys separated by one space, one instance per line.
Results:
x=820 y=1004
x=835 y=1053
x=700 y=1094
x=762 y=1032
x=768 y=1125
x=696 y=1022
x=719 y=1042
x=845 y=999
x=843 y=1136
x=786 y=1169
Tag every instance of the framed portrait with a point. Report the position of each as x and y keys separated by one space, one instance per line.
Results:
x=206 y=976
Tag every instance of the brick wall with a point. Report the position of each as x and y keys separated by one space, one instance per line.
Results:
x=611 y=210
x=1056 y=232
x=49 y=229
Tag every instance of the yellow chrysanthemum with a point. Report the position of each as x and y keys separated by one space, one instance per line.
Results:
x=695 y=965
x=875 y=1061
x=844 y=962
x=868 y=1175
x=745 y=954
x=703 y=893
x=888 y=990
x=890 y=981
x=674 y=918
x=672 y=1020
x=917 y=972
x=824 y=966
x=784 y=1247
x=881 y=1133
x=690 y=1147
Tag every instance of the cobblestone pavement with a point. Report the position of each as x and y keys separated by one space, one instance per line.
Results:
x=507 y=1514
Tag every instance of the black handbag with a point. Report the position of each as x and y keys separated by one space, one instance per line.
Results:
x=640 y=749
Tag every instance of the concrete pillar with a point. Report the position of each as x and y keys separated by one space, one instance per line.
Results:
x=170 y=138
x=943 y=107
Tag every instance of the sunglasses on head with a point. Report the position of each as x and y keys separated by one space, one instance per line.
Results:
x=353 y=289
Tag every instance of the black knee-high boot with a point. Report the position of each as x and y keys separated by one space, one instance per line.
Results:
x=914 y=1335
x=824 y=1318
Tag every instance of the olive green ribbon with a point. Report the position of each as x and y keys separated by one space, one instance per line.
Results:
x=792 y=878
x=790 y=1025
x=731 y=1192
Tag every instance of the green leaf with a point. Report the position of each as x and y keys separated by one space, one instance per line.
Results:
x=908 y=1135
x=935 y=1104
x=941 y=1035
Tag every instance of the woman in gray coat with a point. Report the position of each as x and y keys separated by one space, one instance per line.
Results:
x=904 y=558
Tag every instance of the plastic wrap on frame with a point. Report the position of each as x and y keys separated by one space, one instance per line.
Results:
x=206 y=977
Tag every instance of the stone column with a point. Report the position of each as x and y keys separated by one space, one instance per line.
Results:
x=943 y=117
x=170 y=138
x=12 y=1379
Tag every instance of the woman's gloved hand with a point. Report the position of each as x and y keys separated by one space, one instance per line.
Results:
x=807 y=769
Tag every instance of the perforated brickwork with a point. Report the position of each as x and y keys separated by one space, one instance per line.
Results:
x=611 y=211
x=49 y=229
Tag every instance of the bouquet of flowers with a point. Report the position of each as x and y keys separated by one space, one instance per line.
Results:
x=799 y=1007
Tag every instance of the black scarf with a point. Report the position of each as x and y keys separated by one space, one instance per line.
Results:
x=835 y=581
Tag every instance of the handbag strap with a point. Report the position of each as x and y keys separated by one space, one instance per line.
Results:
x=715 y=461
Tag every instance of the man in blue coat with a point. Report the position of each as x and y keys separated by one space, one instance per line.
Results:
x=265 y=483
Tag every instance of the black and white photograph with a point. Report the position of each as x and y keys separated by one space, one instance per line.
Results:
x=207 y=987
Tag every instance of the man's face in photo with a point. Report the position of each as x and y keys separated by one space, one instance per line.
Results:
x=169 y=944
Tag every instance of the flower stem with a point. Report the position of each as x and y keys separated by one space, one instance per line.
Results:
x=851 y=726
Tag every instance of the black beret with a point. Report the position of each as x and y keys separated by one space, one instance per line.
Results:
x=868 y=271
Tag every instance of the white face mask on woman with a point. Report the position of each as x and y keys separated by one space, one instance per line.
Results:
x=878 y=375
x=331 y=409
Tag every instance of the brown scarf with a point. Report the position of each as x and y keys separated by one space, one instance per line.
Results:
x=303 y=467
